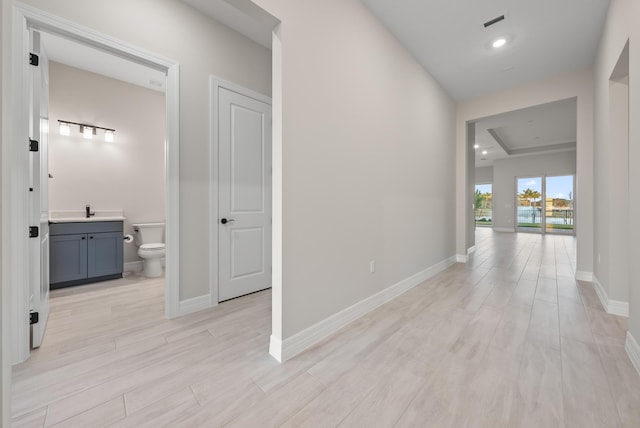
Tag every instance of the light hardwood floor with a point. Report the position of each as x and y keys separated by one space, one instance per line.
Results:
x=508 y=339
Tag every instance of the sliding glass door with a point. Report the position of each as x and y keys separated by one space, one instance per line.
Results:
x=545 y=204
x=484 y=205
x=559 y=204
x=529 y=205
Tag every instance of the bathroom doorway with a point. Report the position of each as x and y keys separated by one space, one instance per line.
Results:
x=26 y=257
x=106 y=157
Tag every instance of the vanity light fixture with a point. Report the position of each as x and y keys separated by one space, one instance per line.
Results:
x=87 y=131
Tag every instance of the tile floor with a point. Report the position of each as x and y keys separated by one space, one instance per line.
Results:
x=509 y=339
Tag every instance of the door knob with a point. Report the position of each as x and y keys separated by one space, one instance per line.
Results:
x=226 y=220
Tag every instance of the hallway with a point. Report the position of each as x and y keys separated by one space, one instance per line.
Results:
x=508 y=339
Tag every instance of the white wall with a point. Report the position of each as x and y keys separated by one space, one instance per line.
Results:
x=5 y=244
x=127 y=174
x=368 y=155
x=484 y=175
x=577 y=84
x=505 y=172
x=202 y=47
x=621 y=26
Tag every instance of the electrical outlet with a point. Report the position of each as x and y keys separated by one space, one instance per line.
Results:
x=598 y=258
x=372 y=266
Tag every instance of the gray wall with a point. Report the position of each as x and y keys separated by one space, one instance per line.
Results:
x=505 y=172
x=127 y=174
x=484 y=175
x=616 y=158
x=368 y=156
x=471 y=185
x=5 y=279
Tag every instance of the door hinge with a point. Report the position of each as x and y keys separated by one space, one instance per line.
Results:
x=34 y=59
x=34 y=317
x=33 y=145
x=33 y=231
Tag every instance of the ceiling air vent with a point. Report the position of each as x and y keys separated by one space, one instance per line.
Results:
x=493 y=21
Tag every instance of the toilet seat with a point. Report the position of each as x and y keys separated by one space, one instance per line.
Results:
x=152 y=247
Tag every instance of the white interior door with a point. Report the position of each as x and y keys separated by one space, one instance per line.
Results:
x=244 y=195
x=39 y=190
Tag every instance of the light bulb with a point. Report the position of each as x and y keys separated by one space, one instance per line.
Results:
x=64 y=129
x=87 y=132
x=498 y=43
x=108 y=136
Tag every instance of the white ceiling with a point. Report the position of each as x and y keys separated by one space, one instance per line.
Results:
x=74 y=54
x=546 y=128
x=545 y=38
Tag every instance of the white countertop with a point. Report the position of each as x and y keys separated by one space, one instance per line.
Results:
x=80 y=216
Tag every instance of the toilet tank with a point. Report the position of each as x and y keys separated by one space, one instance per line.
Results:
x=149 y=233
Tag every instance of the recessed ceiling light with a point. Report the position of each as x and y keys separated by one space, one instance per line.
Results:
x=476 y=146
x=484 y=152
x=498 y=43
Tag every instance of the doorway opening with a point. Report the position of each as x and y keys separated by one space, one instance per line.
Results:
x=28 y=258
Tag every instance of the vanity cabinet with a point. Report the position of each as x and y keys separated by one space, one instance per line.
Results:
x=84 y=252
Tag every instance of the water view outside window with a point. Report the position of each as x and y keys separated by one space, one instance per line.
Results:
x=559 y=204
x=484 y=205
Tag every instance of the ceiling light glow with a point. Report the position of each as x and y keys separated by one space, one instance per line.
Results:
x=476 y=146
x=484 y=152
x=498 y=43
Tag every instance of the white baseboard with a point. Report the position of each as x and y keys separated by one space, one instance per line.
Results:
x=504 y=229
x=633 y=351
x=275 y=348
x=613 y=307
x=137 y=265
x=584 y=276
x=462 y=258
x=133 y=266
x=471 y=250
x=283 y=350
x=195 y=304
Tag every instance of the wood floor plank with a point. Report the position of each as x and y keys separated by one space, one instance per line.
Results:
x=156 y=414
x=277 y=407
x=102 y=415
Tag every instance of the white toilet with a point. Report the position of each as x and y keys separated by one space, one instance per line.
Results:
x=150 y=238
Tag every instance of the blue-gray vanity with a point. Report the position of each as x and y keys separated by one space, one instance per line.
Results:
x=84 y=251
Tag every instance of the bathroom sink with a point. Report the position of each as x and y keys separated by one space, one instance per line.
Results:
x=80 y=216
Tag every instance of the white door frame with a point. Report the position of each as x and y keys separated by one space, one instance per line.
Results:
x=25 y=17
x=215 y=83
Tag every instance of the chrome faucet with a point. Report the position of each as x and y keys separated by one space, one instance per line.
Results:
x=88 y=212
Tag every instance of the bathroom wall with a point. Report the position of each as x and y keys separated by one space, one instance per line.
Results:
x=127 y=174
